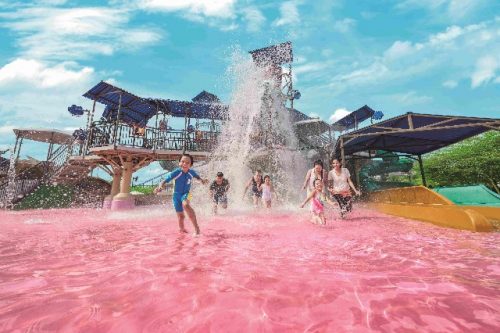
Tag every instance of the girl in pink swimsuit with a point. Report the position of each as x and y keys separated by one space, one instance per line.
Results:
x=317 y=198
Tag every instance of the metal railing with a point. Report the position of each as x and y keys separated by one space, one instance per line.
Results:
x=151 y=138
x=153 y=181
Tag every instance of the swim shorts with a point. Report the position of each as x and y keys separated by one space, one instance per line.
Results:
x=178 y=198
x=220 y=199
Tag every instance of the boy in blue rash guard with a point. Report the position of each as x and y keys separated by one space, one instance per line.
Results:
x=183 y=177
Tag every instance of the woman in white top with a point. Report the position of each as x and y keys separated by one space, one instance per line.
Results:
x=317 y=172
x=340 y=186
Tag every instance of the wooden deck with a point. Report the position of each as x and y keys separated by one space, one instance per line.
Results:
x=154 y=154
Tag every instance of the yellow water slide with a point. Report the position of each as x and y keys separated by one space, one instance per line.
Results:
x=420 y=203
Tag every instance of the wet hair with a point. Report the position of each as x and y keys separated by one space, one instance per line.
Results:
x=267 y=176
x=318 y=162
x=220 y=174
x=189 y=156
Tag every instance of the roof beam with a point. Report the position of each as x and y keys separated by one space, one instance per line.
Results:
x=490 y=125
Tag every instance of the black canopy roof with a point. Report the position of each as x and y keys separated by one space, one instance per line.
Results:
x=414 y=133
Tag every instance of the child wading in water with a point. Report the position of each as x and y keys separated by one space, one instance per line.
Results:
x=255 y=182
x=267 y=190
x=182 y=177
x=317 y=198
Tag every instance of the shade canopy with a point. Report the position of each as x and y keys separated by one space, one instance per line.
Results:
x=206 y=97
x=44 y=135
x=353 y=119
x=273 y=55
x=136 y=110
x=414 y=133
x=132 y=109
x=189 y=109
x=308 y=127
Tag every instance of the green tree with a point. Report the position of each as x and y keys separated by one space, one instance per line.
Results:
x=472 y=161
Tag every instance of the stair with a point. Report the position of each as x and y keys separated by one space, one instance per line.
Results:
x=75 y=168
x=60 y=167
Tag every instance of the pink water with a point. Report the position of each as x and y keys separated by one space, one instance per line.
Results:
x=97 y=271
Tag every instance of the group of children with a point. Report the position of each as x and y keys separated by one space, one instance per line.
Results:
x=338 y=183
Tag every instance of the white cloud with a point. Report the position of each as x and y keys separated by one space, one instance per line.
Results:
x=407 y=99
x=208 y=8
x=309 y=67
x=401 y=49
x=289 y=14
x=6 y=130
x=449 y=35
x=344 y=25
x=75 y=33
x=454 y=50
x=338 y=114
x=484 y=71
x=460 y=8
x=41 y=75
x=451 y=9
x=254 y=19
x=450 y=84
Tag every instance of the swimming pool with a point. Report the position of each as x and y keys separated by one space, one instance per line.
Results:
x=102 y=271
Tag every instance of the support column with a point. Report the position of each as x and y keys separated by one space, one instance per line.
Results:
x=124 y=200
x=422 y=172
x=342 y=155
x=115 y=188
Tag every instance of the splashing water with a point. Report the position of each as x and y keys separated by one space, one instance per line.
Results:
x=259 y=133
x=11 y=178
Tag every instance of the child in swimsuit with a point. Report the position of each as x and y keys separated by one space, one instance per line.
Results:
x=267 y=192
x=182 y=177
x=255 y=182
x=317 y=198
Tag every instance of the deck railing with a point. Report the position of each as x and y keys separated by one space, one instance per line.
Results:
x=151 y=138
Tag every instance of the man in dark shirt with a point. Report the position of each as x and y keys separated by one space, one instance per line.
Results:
x=218 y=191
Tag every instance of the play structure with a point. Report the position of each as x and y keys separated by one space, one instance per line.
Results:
x=385 y=164
x=410 y=136
x=133 y=131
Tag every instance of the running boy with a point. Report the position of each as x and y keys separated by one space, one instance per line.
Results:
x=182 y=177
x=218 y=192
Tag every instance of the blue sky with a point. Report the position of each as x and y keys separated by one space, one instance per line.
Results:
x=431 y=56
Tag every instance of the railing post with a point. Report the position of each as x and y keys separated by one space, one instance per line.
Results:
x=117 y=120
x=89 y=131
x=422 y=172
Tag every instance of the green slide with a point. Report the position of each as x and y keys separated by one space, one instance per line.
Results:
x=475 y=195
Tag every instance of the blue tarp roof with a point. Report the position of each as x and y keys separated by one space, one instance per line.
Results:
x=273 y=55
x=189 y=109
x=206 y=97
x=138 y=110
x=353 y=118
x=414 y=133
x=133 y=110
x=296 y=115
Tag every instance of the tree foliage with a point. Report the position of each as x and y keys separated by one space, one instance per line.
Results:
x=472 y=161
